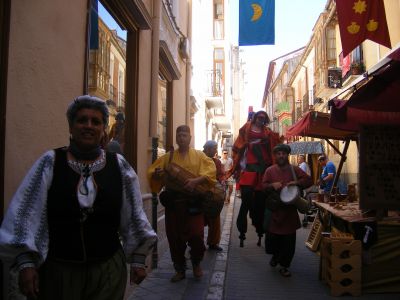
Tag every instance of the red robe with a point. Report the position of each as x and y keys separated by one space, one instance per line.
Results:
x=285 y=220
x=245 y=141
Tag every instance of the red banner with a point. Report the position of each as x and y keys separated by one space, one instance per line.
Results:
x=360 y=20
x=345 y=63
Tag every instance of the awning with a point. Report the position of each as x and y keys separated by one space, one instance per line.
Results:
x=316 y=124
x=306 y=148
x=376 y=102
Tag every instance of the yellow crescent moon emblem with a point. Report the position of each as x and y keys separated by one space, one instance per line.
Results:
x=257 y=12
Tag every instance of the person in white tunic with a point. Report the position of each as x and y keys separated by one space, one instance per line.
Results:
x=301 y=160
x=77 y=218
x=227 y=164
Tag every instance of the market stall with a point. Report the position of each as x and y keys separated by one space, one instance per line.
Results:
x=374 y=266
x=366 y=231
x=374 y=111
x=375 y=100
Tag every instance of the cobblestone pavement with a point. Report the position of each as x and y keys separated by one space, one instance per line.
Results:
x=242 y=273
x=157 y=285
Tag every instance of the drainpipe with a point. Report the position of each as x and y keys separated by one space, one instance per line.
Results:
x=189 y=65
x=154 y=205
x=155 y=65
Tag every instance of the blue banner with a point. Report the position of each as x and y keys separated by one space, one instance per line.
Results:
x=94 y=26
x=256 y=22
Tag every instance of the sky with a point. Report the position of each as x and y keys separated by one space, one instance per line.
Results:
x=106 y=17
x=294 y=21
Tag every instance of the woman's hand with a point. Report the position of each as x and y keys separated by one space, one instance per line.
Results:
x=137 y=275
x=29 y=282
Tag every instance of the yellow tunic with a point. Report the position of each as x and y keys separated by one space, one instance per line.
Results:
x=196 y=162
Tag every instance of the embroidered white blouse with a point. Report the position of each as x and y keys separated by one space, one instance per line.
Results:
x=24 y=237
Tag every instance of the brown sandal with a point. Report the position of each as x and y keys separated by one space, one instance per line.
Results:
x=273 y=262
x=178 y=276
x=285 y=272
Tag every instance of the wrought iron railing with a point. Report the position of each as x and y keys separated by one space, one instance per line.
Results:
x=214 y=83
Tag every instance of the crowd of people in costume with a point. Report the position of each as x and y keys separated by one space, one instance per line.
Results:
x=79 y=210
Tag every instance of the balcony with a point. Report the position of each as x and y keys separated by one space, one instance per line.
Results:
x=214 y=102
x=356 y=68
x=214 y=89
x=121 y=101
x=214 y=84
x=113 y=94
x=222 y=122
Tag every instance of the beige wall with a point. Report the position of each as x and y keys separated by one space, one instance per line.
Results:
x=179 y=90
x=179 y=97
x=392 y=10
x=144 y=88
x=45 y=72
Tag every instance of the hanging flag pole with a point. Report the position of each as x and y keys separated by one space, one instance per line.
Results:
x=256 y=22
x=360 y=20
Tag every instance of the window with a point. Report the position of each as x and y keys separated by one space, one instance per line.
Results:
x=121 y=89
x=162 y=113
x=111 y=92
x=107 y=62
x=113 y=60
x=331 y=43
x=219 y=64
x=218 y=20
x=356 y=55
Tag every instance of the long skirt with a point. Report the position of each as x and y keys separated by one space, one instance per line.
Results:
x=83 y=281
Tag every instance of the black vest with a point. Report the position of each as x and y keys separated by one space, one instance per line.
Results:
x=96 y=238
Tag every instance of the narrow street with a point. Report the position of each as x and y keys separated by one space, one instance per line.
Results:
x=242 y=273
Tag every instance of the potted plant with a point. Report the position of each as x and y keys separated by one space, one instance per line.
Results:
x=357 y=68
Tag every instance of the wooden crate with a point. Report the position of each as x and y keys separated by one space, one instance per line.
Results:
x=340 y=289
x=314 y=236
x=340 y=235
x=341 y=265
x=337 y=275
x=343 y=248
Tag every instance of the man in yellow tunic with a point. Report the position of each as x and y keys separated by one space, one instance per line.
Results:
x=184 y=219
